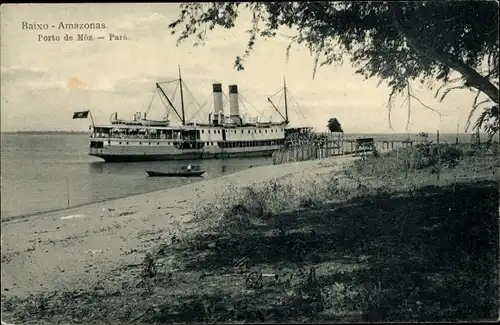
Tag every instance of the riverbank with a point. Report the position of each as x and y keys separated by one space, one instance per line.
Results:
x=75 y=248
x=383 y=238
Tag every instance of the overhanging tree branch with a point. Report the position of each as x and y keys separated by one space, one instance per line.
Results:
x=445 y=93
x=409 y=96
x=473 y=78
x=394 y=42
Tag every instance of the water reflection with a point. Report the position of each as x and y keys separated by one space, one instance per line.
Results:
x=97 y=167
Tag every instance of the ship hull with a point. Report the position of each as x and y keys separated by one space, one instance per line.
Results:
x=182 y=156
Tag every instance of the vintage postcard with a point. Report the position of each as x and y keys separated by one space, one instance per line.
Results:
x=253 y=162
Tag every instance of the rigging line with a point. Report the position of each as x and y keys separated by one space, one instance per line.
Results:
x=277 y=91
x=297 y=105
x=163 y=102
x=200 y=109
x=194 y=105
x=292 y=104
x=209 y=107
x=302 y=116
x=190 y=93
x=174 y=93
x=206 y=101
x=198 y=112
x=279 y=101
x=204 y=105
x=173 y=96
x=167 y=82
x=297 y=111
x=246 y=109
x=226 y=98
x=167 y=107
x=155 y=91
x=192 y=117
x=259 y=111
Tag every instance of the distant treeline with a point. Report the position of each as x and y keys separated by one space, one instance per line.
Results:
x=44 y=132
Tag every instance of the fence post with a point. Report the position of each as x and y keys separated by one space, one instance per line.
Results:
x=439 y=157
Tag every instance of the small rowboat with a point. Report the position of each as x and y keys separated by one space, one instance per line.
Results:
x=193 y=173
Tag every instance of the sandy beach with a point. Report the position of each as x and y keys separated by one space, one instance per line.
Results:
x=77 y=248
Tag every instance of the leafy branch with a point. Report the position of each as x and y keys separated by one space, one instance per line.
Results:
x=393 y=41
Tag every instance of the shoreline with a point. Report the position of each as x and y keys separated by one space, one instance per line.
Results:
x=76 y=248
x=35 y=214
x=43 y=212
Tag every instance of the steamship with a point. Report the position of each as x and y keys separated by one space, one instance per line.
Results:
x=221 y=136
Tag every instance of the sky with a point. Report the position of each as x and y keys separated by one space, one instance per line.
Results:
x=44 y=82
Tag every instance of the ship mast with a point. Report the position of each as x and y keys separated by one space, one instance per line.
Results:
x=286 y=104
x=182 y=98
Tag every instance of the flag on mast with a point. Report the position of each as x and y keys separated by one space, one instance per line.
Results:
x=82 y=114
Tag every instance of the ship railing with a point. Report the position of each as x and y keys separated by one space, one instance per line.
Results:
x=143 y=137
x=120 y=136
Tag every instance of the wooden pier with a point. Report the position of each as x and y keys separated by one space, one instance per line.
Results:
x=330 y=146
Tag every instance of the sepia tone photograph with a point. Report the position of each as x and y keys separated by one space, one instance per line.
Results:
x=250 y=162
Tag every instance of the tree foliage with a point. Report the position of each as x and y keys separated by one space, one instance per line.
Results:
x=396 y=42
x=333 y=125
